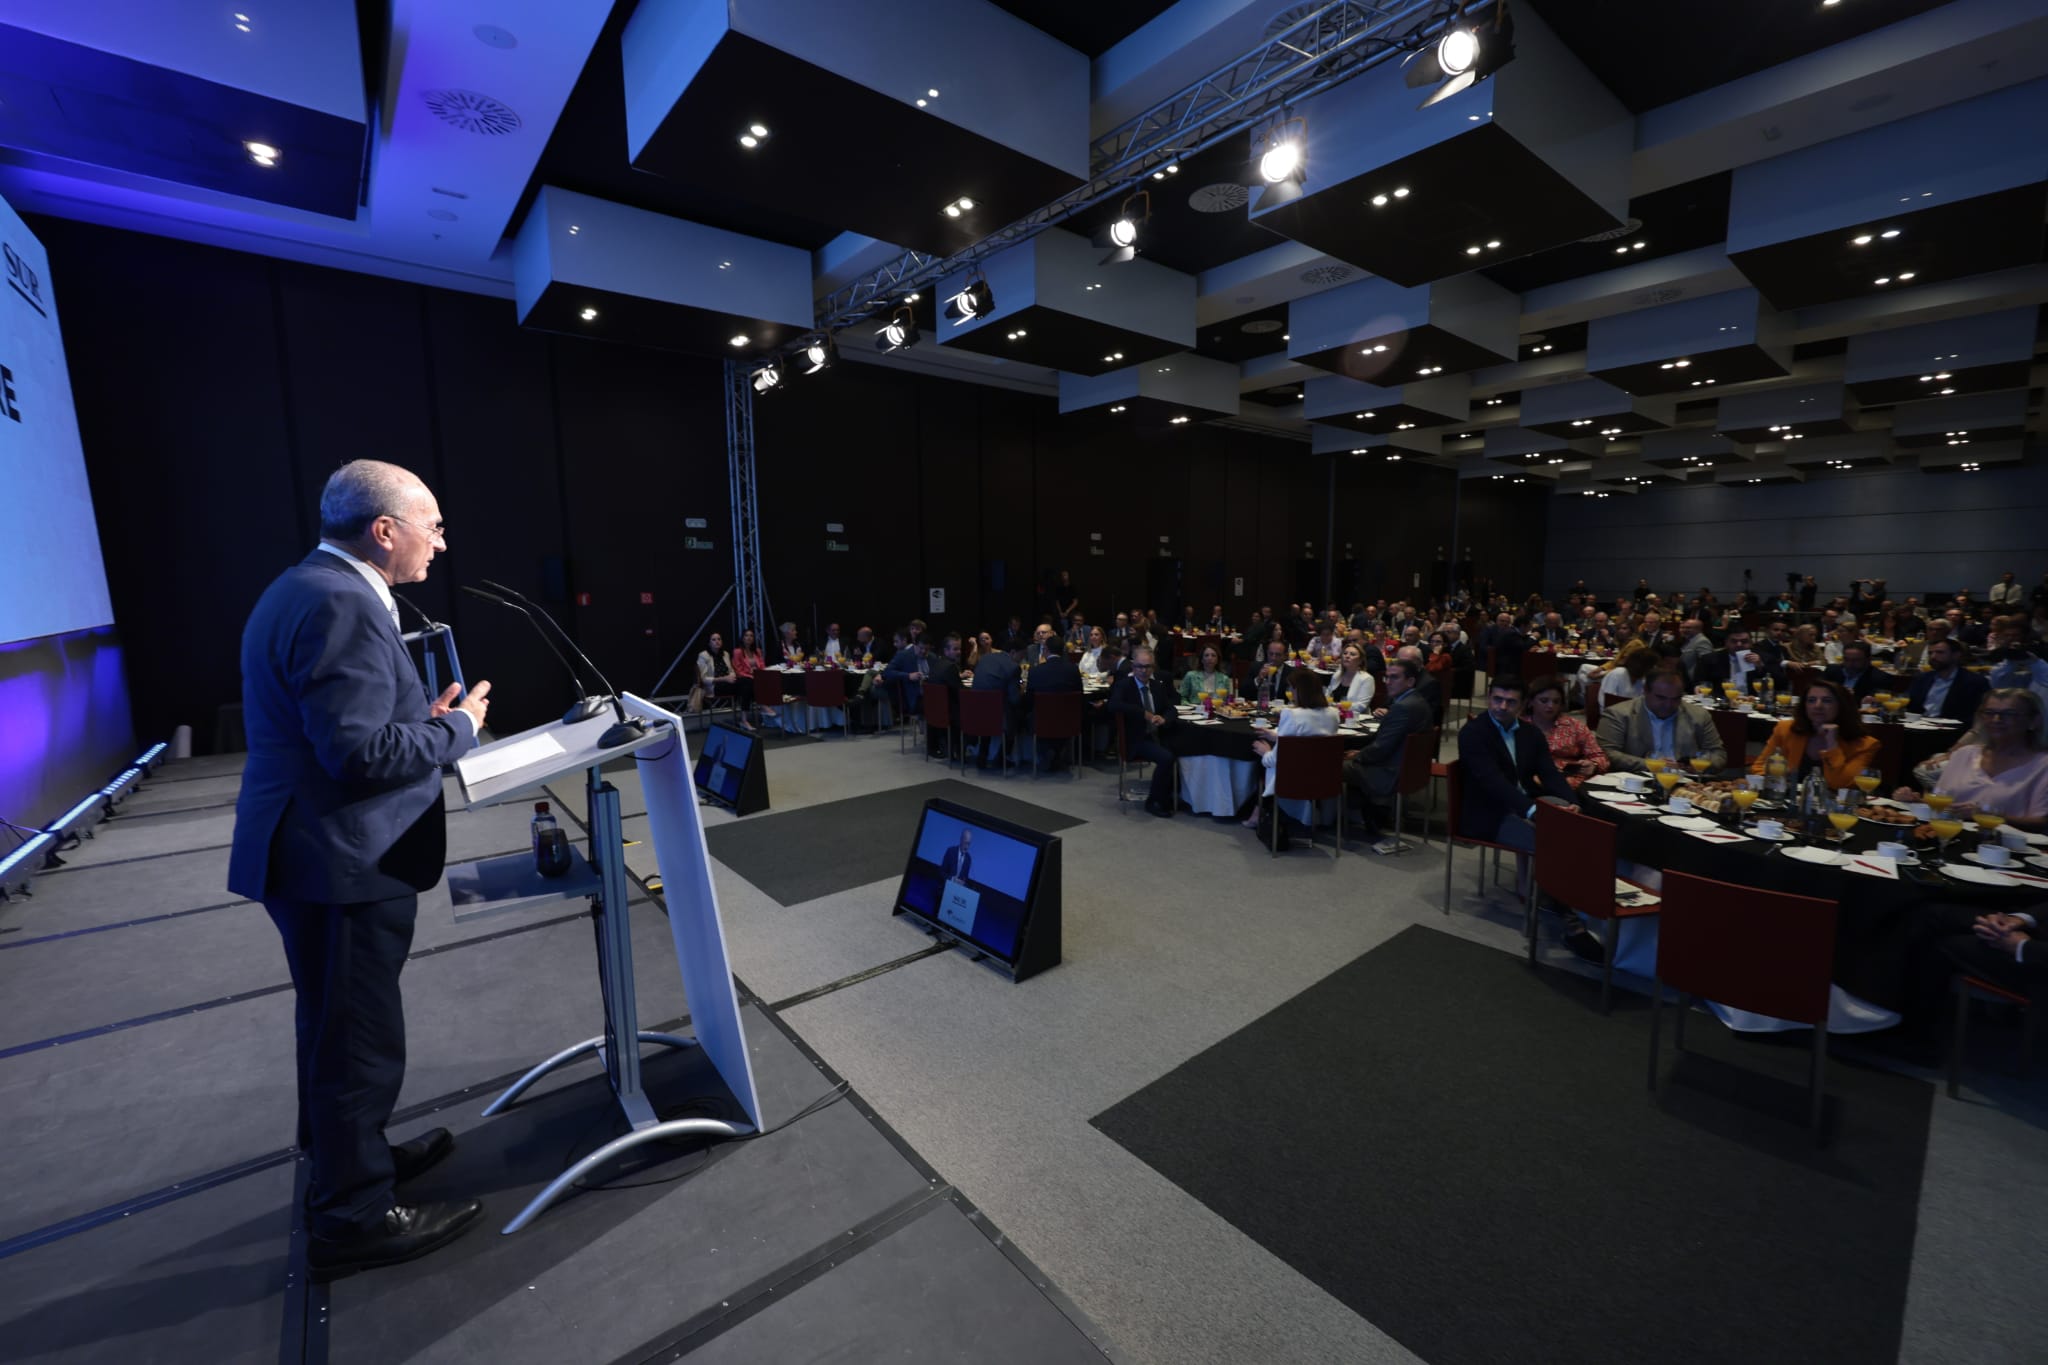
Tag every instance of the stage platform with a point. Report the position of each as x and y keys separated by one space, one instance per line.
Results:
x=146 y=1072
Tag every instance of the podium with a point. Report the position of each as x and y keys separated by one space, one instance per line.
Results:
x=518 y=766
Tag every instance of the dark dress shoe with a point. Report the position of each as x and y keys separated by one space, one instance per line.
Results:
x=1582 y=942
x=405 y=1231
x=409 y=1159
x=1164 y=812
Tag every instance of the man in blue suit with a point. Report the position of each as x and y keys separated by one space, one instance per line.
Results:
x=338 y=828
x=958 y=859
x=1947 y=691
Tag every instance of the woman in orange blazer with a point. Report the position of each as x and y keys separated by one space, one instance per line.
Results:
x=1826 y=732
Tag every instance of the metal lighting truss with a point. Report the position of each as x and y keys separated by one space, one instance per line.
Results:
x=750 y=598
x=1322 y=50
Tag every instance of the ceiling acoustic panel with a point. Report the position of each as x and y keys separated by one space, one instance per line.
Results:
x=870 y=116
x=1531 y=159
x=1058 y=306
x=1387 y=334
x=1691 y=347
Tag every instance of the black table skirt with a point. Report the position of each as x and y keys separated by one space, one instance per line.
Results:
x=1882 y=925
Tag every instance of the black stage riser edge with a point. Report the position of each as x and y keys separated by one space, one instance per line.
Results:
x=124 y=924
x=142 y=1203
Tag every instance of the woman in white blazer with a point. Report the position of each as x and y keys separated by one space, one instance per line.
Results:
x=1352 y=683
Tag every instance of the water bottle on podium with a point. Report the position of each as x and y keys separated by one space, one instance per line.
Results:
x=550 y=844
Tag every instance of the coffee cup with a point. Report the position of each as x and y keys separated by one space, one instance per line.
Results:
x=1634 y=782
x=1895 y=851
x=1679 y=805
x=1994 y=855
x=2012 y=838
x=1922 y=811
x=1745 y=706
x=1770 y=829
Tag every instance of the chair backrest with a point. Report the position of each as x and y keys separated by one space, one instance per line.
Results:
x=825 y=687
x=1057 y=715
x=1454 y=799
x=1490 y=669
x=1308 y=767
x=1801 y=677
x=1592 y=705
x=981 y=713
x=1891 y=753
x=938 y=708
x=1416 y=757
x=1538 y=663
x=1203 y=642
x=1575 y=859
x=767 y=688
x=1733 y=727
x=1764 y=951
x=1240 y=669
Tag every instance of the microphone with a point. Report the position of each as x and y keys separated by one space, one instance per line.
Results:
x=425 y=620
x=587 y=707
x=628 y=729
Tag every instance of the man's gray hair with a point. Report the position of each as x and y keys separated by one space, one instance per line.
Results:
x=361 y=491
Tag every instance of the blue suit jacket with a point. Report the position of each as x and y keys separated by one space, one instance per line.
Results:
x=1965 y=690
x=341 y=796
x=1496 y=786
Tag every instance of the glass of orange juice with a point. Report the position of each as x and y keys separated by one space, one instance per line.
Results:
x=1944 y=830
x=1988 y=821
x=1939 y=801
x=1700 y=763
x=1843 y=821
x=1868 y=780
x=1744 y=798
x=1655 y=765
x=1667 y=780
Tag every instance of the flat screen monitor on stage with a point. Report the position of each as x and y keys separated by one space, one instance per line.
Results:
x=988 y=884
x=729 y=770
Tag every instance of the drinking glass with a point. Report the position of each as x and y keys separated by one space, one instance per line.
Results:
x=1655 y=765
x=1700 y=763
x=1843 y=819
x=1944 y=829
x=1668 y=780
x=1869 y=780
x=1988 y=822
x=1744 y=798
x=1939 y=801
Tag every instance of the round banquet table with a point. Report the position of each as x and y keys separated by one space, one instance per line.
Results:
x=1878 y=925
x=1219 y=771
x=798 y=715
x=1920 y=740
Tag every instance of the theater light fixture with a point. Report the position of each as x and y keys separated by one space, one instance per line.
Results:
x=1122 y=235
x=262 y=153
x=900 y=332
x=589 y=315
x=1463 y=54
x=768 y=377
x=977 y=300
x=819 y=353
x=1281 y=163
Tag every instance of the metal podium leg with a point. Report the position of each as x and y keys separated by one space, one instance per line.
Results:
x=570 y=1054
x=638 y=1137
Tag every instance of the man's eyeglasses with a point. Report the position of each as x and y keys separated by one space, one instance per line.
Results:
x=438 y=531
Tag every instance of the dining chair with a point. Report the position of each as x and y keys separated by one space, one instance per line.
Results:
x=825 y=691
x=938 y=714
x=1309 y=768
x=1538 y=663
x=1575 y=856
x=1769 y=952
x=1057 y=715
x=1454 y=810
x=981 y=717
x=766 y=692
x=1964 y=986
x=1733 y=728
x=1418 y=755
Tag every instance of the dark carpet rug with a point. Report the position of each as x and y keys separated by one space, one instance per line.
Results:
x=800 y=855
x=1464 y=1151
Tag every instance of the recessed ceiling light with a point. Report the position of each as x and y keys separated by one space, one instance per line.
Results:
x=1864 y=240
x=1401 y=193
x=966 y=204
x=574 y=229
x=1284 y=336
x=920 y=102
x=1379 y=201
x=1889 y=233
x=1176 y=421
x=1884 y=279
x=1943 y=375
x=1472 y=250
x=738 y=341
x=725 y=265
x=242 y=22
x=1946 y=392
x=590 y=315
x=1368 y=414
x=1638 y=246
x=932 y=94
x=1392 y=459
x=262 y=151
x=1118 y=408
x=749 y=140
x=952 y=210
x=1906 y=274
x=758 y=130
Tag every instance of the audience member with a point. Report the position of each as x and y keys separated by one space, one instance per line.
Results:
x=1658 y=724
x=1206 y=676
x=1000 y=672
x=1147 y=708
x=1091 y=657
x=2006 y=771
x=1805 y=647
x=1947 y=691
x=1375 y=770
x=1573 y=749
x=1506 y=767
x=1624 y=680
x=1352 y=682
x=1856 y=675
x=1824 y=732
x=1311 y=714
x=1043 y=647
x=1737 y=662
x=1694 y=645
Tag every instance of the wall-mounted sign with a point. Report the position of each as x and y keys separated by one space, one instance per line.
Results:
x=697 y=543
x=582 y=599
x=834 y=528
x=1237 y=587
x=837 y=546
x=693 y=523
x=1095 y=535
x=646 y=599
x=938 y=600
x=1163 y=539
x=1095 y=550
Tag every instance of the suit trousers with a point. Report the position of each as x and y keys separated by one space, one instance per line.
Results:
x=1149 y=750
x=345 y=961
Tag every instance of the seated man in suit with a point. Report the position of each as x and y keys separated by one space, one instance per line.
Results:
x=1947 y=691
x=1506 y=767
x=1738 y=662
x=944 y=671
x=1375 y=770
x=1426 y=685
x=2007 y=949
x=1056 y=675
x=959 y=859
x=906 y=672
x=1043 y=646
x=1857 y=675
x=999 y=671
x=1148 y=710
x=1658 y=724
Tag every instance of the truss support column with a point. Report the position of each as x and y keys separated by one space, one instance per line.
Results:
x=750 y=598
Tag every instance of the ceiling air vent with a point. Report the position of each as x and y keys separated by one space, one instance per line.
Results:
x=1649 y=298
x=471 y=112
x=1326 y=274
x=1261 y=326
x=1223 y=198
x=1633 y=225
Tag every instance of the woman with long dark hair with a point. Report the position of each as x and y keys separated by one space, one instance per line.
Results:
x=1824 y=732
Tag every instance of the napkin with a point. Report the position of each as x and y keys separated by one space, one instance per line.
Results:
x=1713 y=836
x=1874 y=867
x=1632 y=807
x=2025 y=878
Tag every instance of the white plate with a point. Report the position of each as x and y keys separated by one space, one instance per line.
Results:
x=2038 y=860
x=2008 y=863
x=1686 y=822
x=2037 y=840
x=1784 y=838
x=1606 y=780
x=1825 y=857
x=1980 y=875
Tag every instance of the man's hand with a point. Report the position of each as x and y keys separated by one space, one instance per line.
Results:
x=1260 y=746
x=477 y=703
x=445 y=703
x=1153 y=719
x=1825 y=740
x=1751 y=659
x=2007 y=941
x=2003 y=923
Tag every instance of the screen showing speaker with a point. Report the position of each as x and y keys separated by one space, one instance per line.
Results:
x=722 y=763
x=56 y=582
x=975 y=877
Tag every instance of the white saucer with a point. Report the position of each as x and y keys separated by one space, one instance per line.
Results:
x=1982 y=876
x=1785 y=838
x=1998 y=867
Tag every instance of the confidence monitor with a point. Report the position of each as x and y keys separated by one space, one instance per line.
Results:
x=729 y=770
x=986 y=885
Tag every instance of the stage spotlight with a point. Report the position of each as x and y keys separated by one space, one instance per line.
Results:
x=768 y=377
x=1279 y=165
x=1122 y=236
x=819 y=353
x=899 y=333
x=1463 y=55
x=977 y=300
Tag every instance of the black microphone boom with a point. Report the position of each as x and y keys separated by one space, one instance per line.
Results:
x=587 y=707
x=628 y=729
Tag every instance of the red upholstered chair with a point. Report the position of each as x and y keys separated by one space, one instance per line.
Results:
x=1454 y=810
x=1763 y=951
x=981 y=717
x=1592 y=706
x=1963 y=986
x=1491 y=671
x=1538 y=663
x=1801 y=676
x=766 y=692
x=1240 y=669
x=1891 y=753
x=1057 y=715
x=825 y=689
x=1125 y=763
x=1575 y=867
x=1309 y=768
x=1418 y=757
x=938 y=714
x=1733 y=728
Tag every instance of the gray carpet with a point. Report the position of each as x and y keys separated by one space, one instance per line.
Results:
x=1464 y=1152
x=800 y=855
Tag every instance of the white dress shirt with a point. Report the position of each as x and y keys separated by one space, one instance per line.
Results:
x=383 y=590
x=1091 y=663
